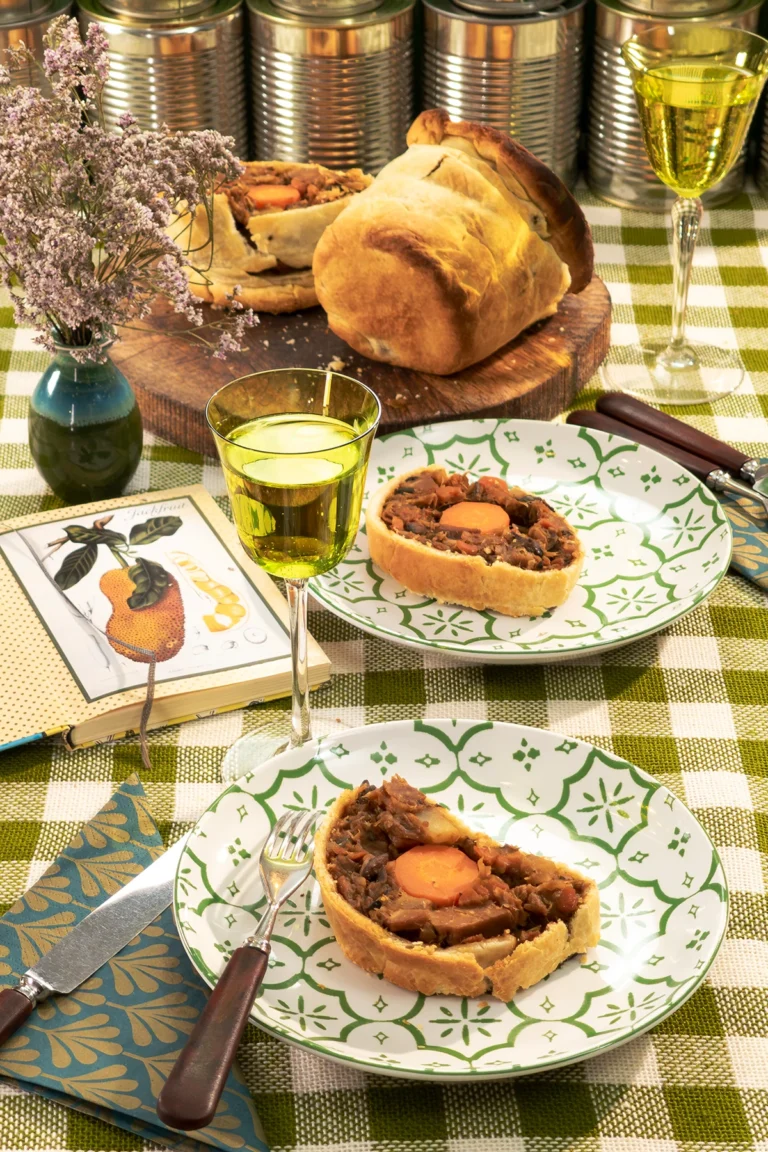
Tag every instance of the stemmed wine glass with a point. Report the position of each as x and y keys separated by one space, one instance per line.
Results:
x=696 y=89
x=294 y=445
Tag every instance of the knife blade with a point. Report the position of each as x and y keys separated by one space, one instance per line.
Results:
x=632 y=411
x=97 y=938
x=714 y=478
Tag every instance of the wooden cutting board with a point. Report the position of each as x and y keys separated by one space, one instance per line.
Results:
x=534 y=377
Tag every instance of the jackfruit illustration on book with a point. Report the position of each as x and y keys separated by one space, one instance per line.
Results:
x=120 y=590
x=92 y=593
x=147 y=619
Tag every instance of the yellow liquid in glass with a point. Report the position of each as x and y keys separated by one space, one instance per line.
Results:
x=695 y=117
x=297 y=514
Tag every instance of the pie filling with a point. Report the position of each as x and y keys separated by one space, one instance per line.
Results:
x=479 y=893
x=436 y=508
x=312 y=183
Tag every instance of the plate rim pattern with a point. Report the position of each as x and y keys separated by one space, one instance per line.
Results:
x=462 y=1074
x=367 y=624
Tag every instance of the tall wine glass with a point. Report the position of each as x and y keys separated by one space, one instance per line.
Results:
x=696 y=89
x=294 y=445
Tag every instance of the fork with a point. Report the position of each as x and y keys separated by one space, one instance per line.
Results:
x=191 y=1093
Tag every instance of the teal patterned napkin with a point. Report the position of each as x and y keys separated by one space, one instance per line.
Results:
x=108 y=1047
x=750 y=540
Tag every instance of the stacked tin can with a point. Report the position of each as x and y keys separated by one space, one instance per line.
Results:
x=332 y=80
x=175 y=62
x=26 y=22
x=762 y=160
x=513 y=64
x=618 y=168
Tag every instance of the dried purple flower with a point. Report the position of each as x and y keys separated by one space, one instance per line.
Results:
x=84 y=210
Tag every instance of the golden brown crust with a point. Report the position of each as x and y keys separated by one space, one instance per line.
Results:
x=452 y=578
x=500 y=966
x=284 y=238
x=447 y=257
x=289 y=292
x=525 y=175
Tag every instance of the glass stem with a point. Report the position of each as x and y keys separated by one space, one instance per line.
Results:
x=297 y=606
x=686 y=218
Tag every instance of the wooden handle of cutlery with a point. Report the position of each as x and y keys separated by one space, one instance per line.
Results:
x=700 y=468
x=647 y=419
x=191 y=1093
x=14 y=1009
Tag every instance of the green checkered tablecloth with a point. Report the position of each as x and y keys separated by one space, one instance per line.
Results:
x=688 y=705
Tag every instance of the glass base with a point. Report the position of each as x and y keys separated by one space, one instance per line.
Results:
x=249 y=753
x=696 y=374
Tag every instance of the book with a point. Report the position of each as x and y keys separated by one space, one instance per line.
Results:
x=89 y=594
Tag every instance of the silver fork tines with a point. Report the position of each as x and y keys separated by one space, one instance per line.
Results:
x=276 y=833
x=284 y=864
x=286 y=848
x=298 y=832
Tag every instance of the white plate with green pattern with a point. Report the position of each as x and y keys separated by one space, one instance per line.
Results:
x=663 y=896
x=656 y=542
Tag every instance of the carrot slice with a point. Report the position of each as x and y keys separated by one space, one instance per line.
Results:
x=273 y=195
x=474 y=516
x=436 y=872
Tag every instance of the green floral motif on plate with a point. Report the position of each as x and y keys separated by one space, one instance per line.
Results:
x=662 y=892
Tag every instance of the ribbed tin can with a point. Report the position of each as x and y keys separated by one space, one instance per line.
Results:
x=618 y=168
x=157 y=9
x=520 y=75
x=335 y=91
x=29 y=28
x=188 y=73
x=323 y=9
x=508 y=7
x=680 y=9
x=762 y=161
x=18 y=11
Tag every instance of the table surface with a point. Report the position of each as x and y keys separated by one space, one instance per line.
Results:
x=688 y=705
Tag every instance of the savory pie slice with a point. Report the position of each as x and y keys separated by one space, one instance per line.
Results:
x=416 y=896
x=266 y=225
x=478 y=543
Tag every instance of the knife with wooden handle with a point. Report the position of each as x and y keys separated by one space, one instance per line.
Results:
x=714 y=478
x=646 y=419
x=97 y=938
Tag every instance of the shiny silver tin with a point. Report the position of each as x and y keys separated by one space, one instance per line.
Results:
x=323 y=9
x=29 y=29
x=508 y=7
x=188 y=73
x=618 y=168
x=681 y=9
x=335 y=91
x=761 y=175
x=19 y=11
x=156 y=9
x=522 y=76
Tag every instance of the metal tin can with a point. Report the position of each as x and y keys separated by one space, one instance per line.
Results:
x=336 y=91
x=761 y=175
x=322 y=9
x=618 y=168
x=680 y=9
x=157 y=9
x=18 y=11
x=508 y=7
x=188 y=74
x=522 y=76
x=29 y=29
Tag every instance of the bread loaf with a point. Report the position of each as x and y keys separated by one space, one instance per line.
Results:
x=458 y=245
